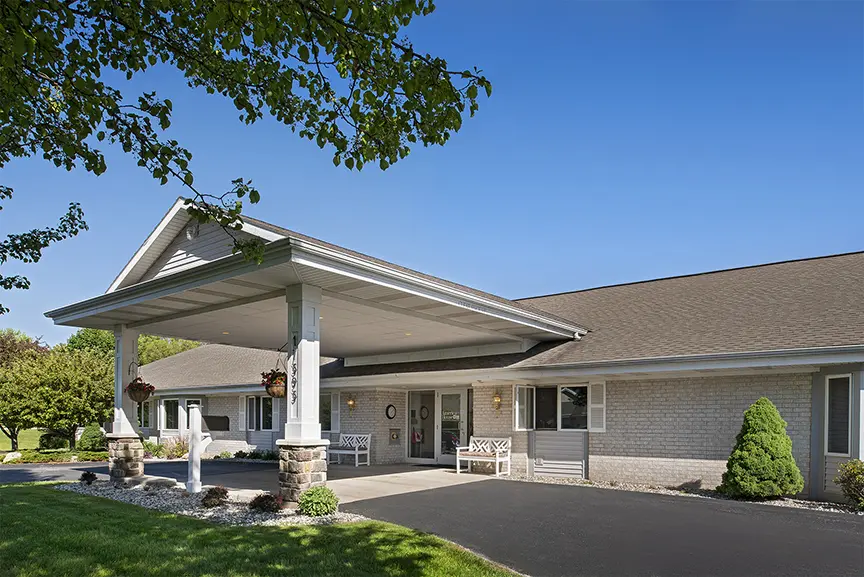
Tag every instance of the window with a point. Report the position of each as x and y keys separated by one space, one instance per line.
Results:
x=838 y=403
x=560 y=408
x=144 y=414
x=325 y=411
x=524 y=407
x=172 y=413
x=266 y=413
x=546 y=408
x=574 y=408
x=253 y=420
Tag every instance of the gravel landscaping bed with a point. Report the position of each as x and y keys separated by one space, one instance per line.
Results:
x=698 y=493
x=178 y=501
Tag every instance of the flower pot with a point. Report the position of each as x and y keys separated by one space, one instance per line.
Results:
x=276 y=390
x=138 y=395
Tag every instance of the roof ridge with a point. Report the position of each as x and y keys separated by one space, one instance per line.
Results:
x=694 y=274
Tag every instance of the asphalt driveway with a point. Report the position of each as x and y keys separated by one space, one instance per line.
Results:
x=553 y=530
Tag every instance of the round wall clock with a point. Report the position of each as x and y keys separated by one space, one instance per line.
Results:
x=390 y=411
x=424 y=412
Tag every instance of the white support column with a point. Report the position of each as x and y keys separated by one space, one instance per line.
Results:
x=125 y=369
x=302 y=425
x=193 y=482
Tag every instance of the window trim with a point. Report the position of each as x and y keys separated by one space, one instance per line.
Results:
x=164 y=415
x=850 y=386
x=587 y=408
x=531 y=388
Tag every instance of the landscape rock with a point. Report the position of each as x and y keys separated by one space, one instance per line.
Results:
x=11 y=456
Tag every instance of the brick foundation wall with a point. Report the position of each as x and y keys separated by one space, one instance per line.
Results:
x=489 y=422
x=369 y=417
x=677 y=431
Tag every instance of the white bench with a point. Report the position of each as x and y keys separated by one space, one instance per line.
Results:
x=485 y=449
x=351 y=444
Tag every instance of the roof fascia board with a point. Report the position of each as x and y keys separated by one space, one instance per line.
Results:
x=763 y=359
x=278 y=252
x=347 y=265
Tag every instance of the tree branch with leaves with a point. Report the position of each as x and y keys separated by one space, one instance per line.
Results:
x=336 y=72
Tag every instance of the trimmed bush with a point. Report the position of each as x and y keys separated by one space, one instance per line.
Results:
x=318 y=501
x=266 y=503
x=850 y=477
x=31 y=456
x=761 y=465
x=215 y=496
x=49 y=441
x=241 y=455
x=87 y=477
x=226 y=455
x=92 y=439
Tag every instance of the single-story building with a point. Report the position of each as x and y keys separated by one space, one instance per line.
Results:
x=640 y=382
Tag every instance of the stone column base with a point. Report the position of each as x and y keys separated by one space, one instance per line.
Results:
x=300 y=467
x=125 y=457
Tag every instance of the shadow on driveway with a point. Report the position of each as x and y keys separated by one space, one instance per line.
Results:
x=549 y=530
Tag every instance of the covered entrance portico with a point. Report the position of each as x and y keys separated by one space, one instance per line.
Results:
x=311 y=300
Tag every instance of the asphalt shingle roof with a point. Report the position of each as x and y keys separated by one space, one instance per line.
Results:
x=817 y=302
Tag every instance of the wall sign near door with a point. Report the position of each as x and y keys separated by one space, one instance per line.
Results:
x=390 y=411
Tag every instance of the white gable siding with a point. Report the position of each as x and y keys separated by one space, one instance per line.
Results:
x=211 y=243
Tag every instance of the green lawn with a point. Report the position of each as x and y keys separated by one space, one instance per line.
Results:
x=53 y=533
x=28 y=439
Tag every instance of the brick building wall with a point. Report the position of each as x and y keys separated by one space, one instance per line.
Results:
x=676 y=431
x=369 y=417
x=490 y=422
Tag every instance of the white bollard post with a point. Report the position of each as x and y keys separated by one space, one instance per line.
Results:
x=193 y=483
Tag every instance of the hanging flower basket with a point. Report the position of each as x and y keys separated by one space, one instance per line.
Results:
x=275 y=382
x=138 y=390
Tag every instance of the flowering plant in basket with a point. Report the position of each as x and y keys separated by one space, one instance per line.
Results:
x=274 y=381
x=138 y=390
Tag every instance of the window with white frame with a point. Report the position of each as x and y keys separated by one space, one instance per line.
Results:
x=171 y=408
x=144 y=414
x=523 y=408
x=560 y=408
x=260 y=414
x=838 y=416
x=328 y=412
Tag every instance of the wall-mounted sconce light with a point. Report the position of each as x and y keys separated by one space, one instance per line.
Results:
x=496 y=400
x=351 y=402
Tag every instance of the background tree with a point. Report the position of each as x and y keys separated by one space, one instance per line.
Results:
x=150 y=347
x=70 y=388
x=335 y=71
x=761 y=465
x=17 y=402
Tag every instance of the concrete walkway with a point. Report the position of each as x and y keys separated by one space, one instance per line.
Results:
x=348 y=482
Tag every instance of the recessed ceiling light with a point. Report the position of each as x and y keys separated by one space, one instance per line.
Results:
x=407 y=334
x=225 y=333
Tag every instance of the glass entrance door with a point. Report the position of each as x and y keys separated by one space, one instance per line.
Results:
x=421 y=426
x=451 y=422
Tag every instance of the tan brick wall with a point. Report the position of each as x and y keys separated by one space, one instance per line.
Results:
x=670 y=432
x=369 y=417
x=489 y=422
x=226 y=406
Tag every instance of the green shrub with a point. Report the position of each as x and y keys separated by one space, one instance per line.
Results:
x=256 y=454
x=92 y=439
x=850 y=477
x=270 y=455
x=226 y=455
x=51 y=440
x=318 y=501
x=31 y=456
x=241 y=455
x=266 y=503
x=761 y=465
x=152 y=449
x=215 y=496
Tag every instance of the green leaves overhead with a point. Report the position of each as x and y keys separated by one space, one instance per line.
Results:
x=337 y=72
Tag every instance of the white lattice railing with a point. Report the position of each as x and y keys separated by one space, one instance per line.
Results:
x=354 y=440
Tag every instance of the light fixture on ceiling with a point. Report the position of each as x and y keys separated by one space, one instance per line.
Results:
x=225 y=333
x=407 y=334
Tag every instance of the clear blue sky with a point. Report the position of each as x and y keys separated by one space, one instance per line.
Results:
x=624 y=141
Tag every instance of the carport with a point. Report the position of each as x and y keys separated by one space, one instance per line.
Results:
x=308 y=298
